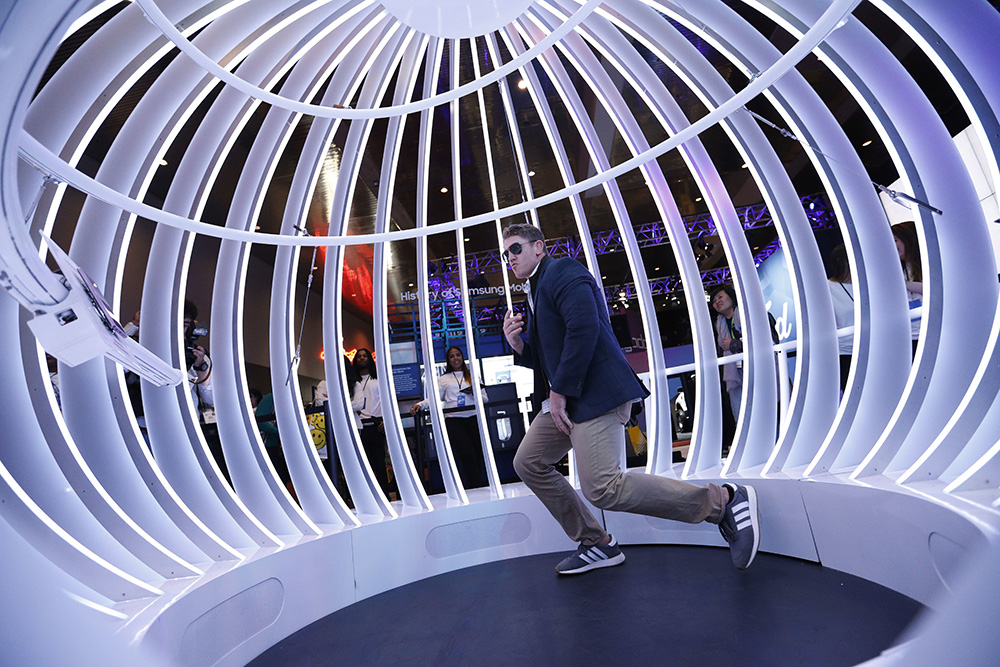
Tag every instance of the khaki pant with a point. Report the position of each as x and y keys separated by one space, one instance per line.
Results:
x=597 y=445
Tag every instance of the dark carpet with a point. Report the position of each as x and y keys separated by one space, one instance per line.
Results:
x=676 y=605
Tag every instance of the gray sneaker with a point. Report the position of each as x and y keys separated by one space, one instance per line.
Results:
x=740 y=525
x=592 y=557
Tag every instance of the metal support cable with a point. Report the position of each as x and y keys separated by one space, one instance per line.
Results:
x=302 y=327
x=895 y=195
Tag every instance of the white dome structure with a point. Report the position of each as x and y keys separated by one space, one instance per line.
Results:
x=157 y=151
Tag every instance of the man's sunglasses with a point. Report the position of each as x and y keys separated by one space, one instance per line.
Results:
x=514 y=249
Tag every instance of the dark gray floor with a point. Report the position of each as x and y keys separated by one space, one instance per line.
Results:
x=675 y=605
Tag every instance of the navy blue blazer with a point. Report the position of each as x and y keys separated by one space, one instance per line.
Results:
x=570 y=343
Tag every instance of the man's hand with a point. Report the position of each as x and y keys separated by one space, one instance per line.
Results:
x=415 y=409
x=198 y=352
x=557 y=408
x=513 y=325
x=726 y=344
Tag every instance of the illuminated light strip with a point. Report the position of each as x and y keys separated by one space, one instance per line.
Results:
x=449 y=473
x=850 y=450
x=197 y=200
x=368 y=495
x=146 y=547
x=558 y=147
x=693 y=158
x=485 y=437
x=406 y=66
x=140 y=70
x=559 y=78
x=42 y=158
x=58 y=556
x=661 y=230
x=948 y=62
x=520 y=161
x=742 y=141
x=140 y=187
x=454 y=69
x=491 y=171
x=271 y=498
x=233 y=61
x=89 y=16
x=599 y=82
x=157 y=18
x=947 y=68
x=832 y=61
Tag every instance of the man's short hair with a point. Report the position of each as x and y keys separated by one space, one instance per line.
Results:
x=525 y=231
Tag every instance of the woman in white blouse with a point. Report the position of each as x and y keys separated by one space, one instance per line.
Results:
x=455 y=390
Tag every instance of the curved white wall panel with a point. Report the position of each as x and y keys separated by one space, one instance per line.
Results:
x=278 y=125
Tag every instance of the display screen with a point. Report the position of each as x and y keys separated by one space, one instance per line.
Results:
x=406 y=378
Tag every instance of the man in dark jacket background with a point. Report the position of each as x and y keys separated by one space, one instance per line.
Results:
x=588 y=390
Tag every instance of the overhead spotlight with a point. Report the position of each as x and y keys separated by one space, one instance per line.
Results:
x=743 y=166
x=697 y=198
x=621 y=294
x=466 y=239
x=530 y=174
x=867 y=143
x=522 y=84
x=163 y=163
x=444 y=190
x=656 y=268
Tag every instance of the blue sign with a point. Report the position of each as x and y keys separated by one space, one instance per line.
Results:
x=406 y=378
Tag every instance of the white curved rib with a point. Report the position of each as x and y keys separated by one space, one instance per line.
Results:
x=40 y=156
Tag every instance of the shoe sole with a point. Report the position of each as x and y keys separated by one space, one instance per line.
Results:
x=608 y=562
x=754 y=523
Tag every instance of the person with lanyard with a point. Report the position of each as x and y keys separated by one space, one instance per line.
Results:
x=367 y=405
x=729 y=333
x=455 y=388
x=586 y=388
